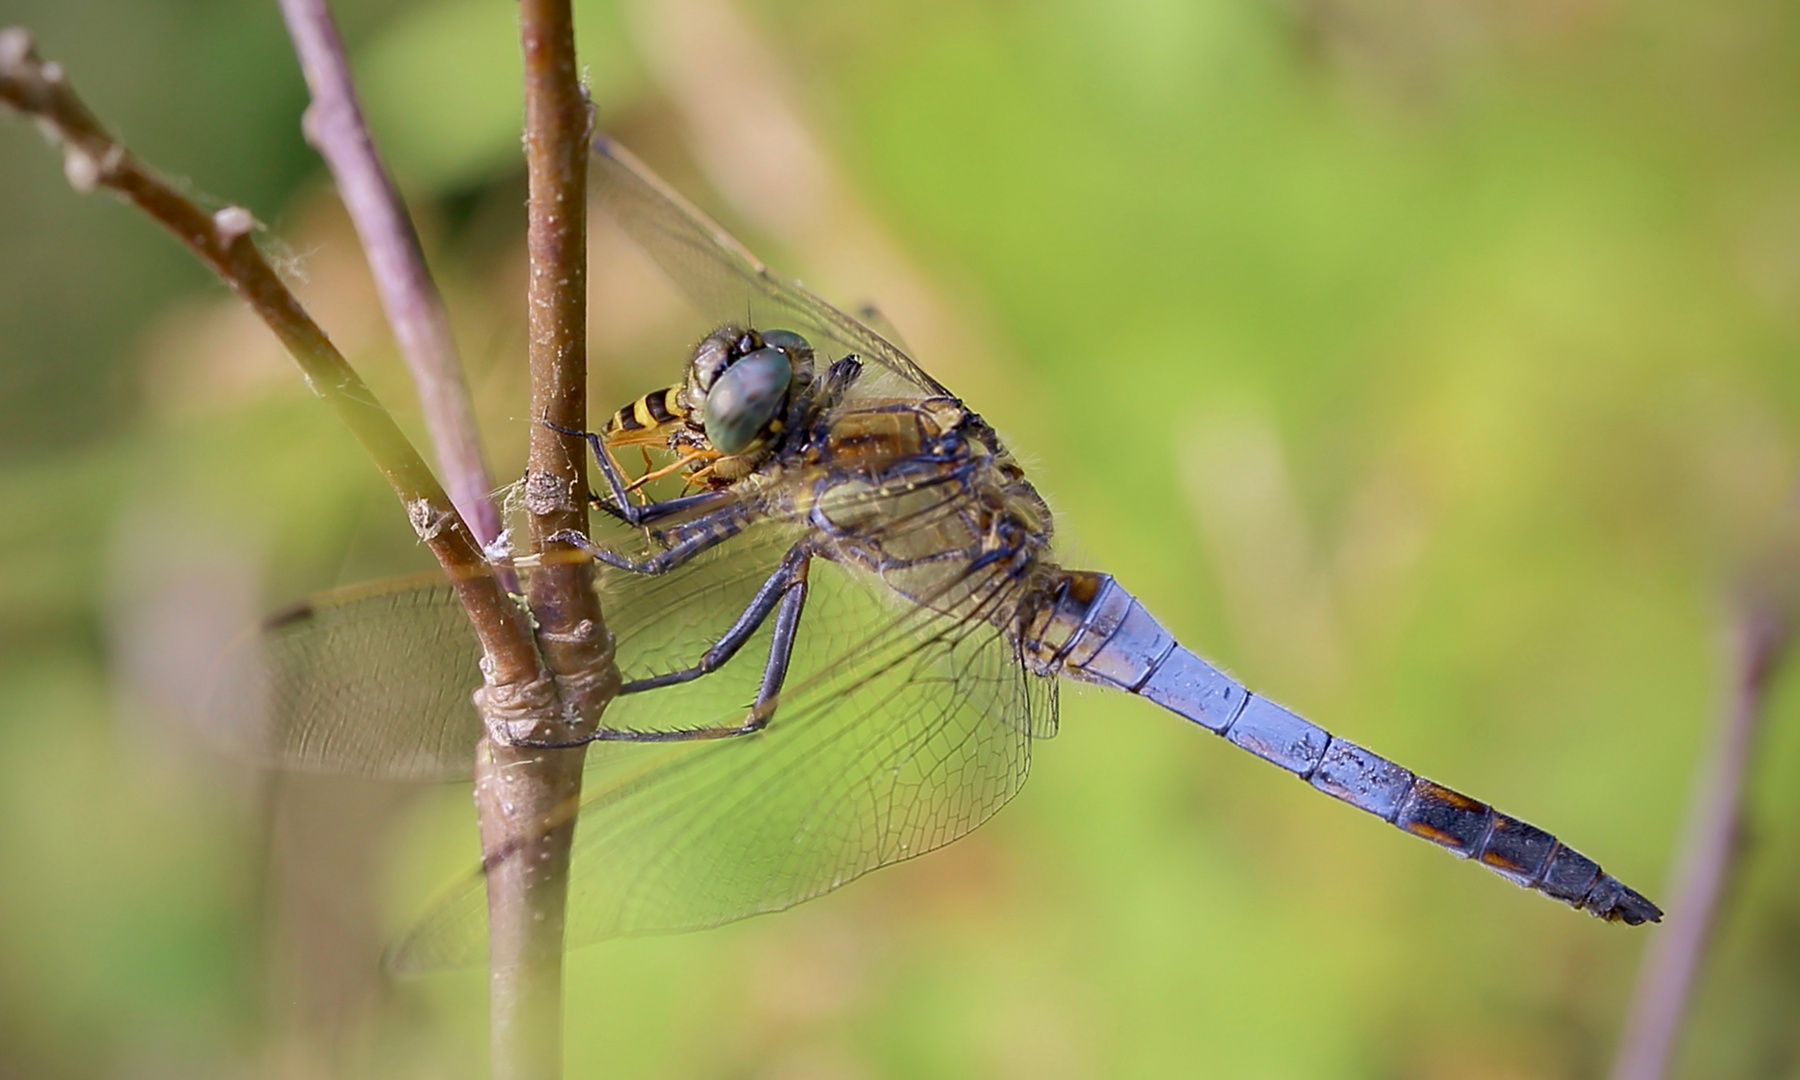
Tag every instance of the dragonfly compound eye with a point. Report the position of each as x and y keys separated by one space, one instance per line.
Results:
x=745 y=398
x=797 y=347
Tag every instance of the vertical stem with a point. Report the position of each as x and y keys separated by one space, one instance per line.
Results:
x=334 y=125
x=521 y=791
x=516 y=791
x=1666 y=982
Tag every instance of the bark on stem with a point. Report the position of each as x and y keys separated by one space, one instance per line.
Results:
x=93 y=158
x=525 y=797
x=334 y=126
x=1665 y=985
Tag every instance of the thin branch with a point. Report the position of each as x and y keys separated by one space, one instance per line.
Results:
x=524 y=796
x=334 y=126
x=1665 y=985
x=93 y=158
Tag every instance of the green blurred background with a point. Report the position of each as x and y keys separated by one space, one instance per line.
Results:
x=1430 y=366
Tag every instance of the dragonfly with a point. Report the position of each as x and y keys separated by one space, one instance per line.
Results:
x=839 y=643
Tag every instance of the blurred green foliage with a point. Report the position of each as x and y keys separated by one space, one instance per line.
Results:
x=1430 y=366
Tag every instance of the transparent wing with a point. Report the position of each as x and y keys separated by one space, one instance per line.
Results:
x=664 y=623
x=872 y=317
x=722 y=276
x=896 y=743
x=375 y=680
x=370 y=681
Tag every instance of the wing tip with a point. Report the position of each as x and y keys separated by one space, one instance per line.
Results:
x=289 y=616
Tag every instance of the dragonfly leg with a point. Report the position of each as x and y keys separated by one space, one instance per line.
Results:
x=781 y=652
x=772 y=593
x=792 y=592
x=691 y=538
x=617 y=500
x=643 y=515
x=781 y=646
x=614 y=482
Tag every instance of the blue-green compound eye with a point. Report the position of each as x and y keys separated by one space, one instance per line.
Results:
x=745 y=397
x=788 y=342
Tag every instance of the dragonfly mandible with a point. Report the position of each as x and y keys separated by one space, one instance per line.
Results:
x=843 y=644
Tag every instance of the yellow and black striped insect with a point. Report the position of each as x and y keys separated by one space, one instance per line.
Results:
x=725 y=417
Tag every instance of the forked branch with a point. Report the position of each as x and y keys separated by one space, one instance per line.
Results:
x=525 y=797
x=92 y=158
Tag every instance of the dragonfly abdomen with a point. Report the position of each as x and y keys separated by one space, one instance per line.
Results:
x=1093 y=630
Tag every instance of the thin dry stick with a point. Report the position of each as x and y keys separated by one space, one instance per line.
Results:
x=334 y=126
x=524 y=795
x=1666 y=982
x=92 y=158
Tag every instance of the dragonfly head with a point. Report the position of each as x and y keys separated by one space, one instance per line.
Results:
x=738 y=386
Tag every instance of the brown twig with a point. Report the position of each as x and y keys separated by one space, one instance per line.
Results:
x=93 y=158
x=1709 y=854
x=334 y=126
x=524 y=796
x=518 y=791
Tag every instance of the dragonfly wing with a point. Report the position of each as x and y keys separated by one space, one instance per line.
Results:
x=872 y=317
x=376 y=680
x=666 y=622
x=721 y=275
x=896 y=742
x=369 y=681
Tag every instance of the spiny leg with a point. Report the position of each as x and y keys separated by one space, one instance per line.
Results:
x=781 y=653
x=642 y=516
x=618 y=501
x=615 y=481
x=690 y=539
x=753 y=616
x=781 y=646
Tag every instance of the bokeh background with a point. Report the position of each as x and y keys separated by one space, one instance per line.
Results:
x=1430 y=366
